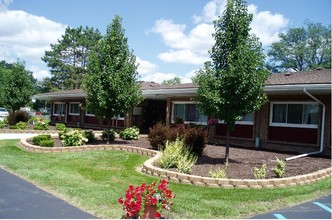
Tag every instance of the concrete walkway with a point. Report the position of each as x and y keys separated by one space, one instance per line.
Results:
x=20 y=199
x=4 y=136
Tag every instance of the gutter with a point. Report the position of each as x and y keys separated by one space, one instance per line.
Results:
x=322 y=129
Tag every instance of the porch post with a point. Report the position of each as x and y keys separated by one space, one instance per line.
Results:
x=168 y=111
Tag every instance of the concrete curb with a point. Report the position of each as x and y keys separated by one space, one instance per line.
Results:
x=149 y=169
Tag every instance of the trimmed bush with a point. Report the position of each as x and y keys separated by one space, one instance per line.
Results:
x=158 y=135
x=90 y=136
x=37 y=139
x=18 y=116
x=73 y=138
x=195 y=137
x=131 y=133
x=41 y=126
x=60 y=126
x=46 y=143
x=21 y=125
x=111 y=133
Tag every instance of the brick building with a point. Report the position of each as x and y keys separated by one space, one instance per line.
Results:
x=296 y=118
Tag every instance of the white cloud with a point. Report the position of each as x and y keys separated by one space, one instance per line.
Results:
x=39 y=73
x=211 y=11
x=145 y=67
x=158 y=77
x=191 y=48
x=26 y=36
x=266 y=25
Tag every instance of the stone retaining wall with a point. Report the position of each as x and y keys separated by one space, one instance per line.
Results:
x=172 y=176
x=28 y=131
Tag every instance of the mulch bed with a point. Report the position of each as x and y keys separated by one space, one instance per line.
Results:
x=242 y=161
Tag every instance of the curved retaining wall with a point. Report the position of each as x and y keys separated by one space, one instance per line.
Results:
x=172 y=176
x=28 y=131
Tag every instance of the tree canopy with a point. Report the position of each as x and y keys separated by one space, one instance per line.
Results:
x=17 y=85
x=302 y=49
x=111 y=85
x=175 y=81
x=68 y=58
x=231 y=86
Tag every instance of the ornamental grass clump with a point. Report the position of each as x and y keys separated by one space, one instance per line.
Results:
x=260 y=173
x=73 y=138
x=279 y=170
x=138 y=198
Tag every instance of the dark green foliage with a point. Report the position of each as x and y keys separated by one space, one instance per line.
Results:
x=68 y=58
x=17 y=85
x=37 y=139
x=302 y=49
x=12 y=127
x=194 y=138
x=46 y=143
x=90 y=136
x=109 y=132
x=111 y=85
x=231 y=85
x=60 y=126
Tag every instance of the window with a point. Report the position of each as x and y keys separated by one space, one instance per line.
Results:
x=74 y=108
x=294 y=114
x=248 y=119
x=119 y=117
x=188 y=112
x=59 y=108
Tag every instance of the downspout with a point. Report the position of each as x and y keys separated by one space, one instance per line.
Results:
x=322 y=130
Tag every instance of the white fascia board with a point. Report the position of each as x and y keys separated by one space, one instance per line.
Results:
x=299 y=87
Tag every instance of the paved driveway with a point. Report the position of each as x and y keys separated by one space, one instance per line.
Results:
x=20 y=199
x=318 y=209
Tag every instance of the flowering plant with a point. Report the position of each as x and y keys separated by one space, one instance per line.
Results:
x=138 y=198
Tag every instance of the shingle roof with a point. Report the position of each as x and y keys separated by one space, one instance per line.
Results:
x=304 y=77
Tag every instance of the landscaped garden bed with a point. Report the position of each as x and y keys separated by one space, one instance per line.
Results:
x=242 y=161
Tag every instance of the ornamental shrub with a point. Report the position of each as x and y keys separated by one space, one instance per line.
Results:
x=186 y=161
x=279 y=170
x=73 y=138
x=195 y=137
x=3 y=124
x=90 y=136
x=111 y=133
x=46 y=143
x=60 y=126
x=21 y=125
x=37 y=139
x=260 y=173
x=18 y=116
x=131 y=133
x=219 y=173
x=41 y=126
x=12 y=127
x=158 y=135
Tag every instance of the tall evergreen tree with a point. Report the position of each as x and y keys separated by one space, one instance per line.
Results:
x=231 y=86
x=68 y=58
x=111 y=82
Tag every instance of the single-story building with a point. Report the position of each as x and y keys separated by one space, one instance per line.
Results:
x=296 y=118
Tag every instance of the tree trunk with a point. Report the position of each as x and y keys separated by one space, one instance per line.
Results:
x=227 y=145
x=108 y=137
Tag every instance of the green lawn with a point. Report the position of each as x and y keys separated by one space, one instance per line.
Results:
x=95 y=180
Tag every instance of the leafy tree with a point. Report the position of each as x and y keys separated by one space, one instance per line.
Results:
x=231 y=86
x=302 y=49
x=175 y=81
x=68 y=58
x=17 y=85
x=110 y=84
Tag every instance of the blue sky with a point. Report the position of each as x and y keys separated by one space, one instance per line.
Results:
x=169 y=37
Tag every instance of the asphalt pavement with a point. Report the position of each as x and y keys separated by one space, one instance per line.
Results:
x=20 y=199
x=317 y=209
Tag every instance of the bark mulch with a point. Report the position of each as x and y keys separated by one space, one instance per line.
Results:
x=242 y=161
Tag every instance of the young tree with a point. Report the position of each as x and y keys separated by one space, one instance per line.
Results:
x=302 y=49
x=231 y=86
x=17 y=85
x=69 y=57
x=175 y=81
x=111 y=82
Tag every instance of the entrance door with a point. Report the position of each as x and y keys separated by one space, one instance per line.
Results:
x=154 y=112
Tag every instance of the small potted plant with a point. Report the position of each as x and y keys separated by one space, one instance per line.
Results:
x=147 y=201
